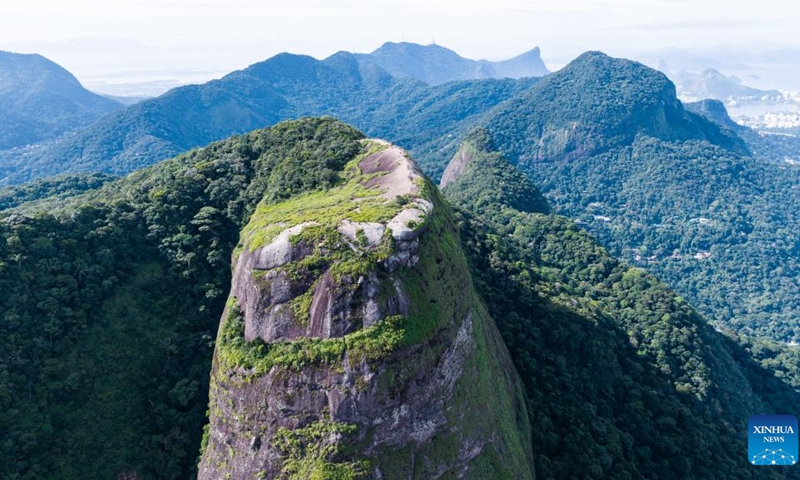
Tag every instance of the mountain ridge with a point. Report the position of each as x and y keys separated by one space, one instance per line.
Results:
x=282 y=87
x=434 y=64
x=598 y=122
x=601 y=119
x=45 y=99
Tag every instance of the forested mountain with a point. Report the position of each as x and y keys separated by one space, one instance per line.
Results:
x=104 y=372
x=110 y=304
x=283 y=87
x=666 y=189
x=39 y=100
x=371 y=310
x=624 y=378
x=434 y=64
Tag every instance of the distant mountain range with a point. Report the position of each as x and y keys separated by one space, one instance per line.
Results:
x=435 y=65
x=599 y=122
x=757 y=65
x=285 y=86
x=713 y=84
x=763 y=110
x=127 y=100
x=39 y=100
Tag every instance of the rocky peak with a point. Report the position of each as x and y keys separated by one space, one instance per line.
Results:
x=353 y=345
x=267 y=287
x=480 y=176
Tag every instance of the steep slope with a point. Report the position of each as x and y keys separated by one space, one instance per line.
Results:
x=435 y=65
x=715 y=111
x=39 y=100
x=666 y=189
x=353 y=346
x=594 y=104
x=110 y=301
x=623 y=378
x=283 y=87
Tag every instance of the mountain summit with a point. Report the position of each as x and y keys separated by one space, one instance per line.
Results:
x=593 y=104
x=434 y=64
x=40 y=100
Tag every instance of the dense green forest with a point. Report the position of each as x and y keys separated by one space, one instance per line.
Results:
x=624 y=379
x=705 y=204
x=104 y=371
x=722 y=235
x=110 y=304
x=52 y=188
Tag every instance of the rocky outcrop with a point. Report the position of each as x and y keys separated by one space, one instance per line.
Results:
x=353 y=345
x=457 y=166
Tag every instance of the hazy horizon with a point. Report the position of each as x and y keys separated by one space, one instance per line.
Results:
x=193 y=41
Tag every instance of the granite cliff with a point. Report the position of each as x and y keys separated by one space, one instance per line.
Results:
x=354 y=346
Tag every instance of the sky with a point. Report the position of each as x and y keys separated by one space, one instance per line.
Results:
x=107 y=41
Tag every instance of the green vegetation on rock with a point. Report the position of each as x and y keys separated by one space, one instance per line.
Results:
x=310 y=456
x=239 y=358
x=443 y=398
x=323 y=210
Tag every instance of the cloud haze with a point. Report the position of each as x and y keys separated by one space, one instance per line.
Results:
x=217 y=36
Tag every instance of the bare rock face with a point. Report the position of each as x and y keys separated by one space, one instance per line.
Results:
x=456 y=167
x=353 y=345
